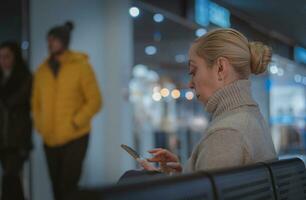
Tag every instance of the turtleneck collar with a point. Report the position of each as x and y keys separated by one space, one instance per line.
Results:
x=230 y=97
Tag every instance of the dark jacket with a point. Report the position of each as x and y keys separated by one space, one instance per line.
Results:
x=15 y=118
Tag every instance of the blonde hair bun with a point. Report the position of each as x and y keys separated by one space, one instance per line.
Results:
x=260 y=57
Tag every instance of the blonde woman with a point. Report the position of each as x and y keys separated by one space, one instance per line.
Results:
x=220 y=64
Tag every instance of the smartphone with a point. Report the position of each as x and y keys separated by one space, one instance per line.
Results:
x=131 y=151
x=142 y=161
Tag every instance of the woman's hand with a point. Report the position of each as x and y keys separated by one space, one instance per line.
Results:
x=146 y=165
x=169 y=162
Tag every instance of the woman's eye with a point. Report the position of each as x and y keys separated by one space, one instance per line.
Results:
x=191 y=73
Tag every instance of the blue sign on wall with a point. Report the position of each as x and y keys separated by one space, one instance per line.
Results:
x=300 y=54
x=202 y=12
x=219 y=15
x=206 y=11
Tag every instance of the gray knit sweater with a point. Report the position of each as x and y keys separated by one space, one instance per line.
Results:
x=237 y=135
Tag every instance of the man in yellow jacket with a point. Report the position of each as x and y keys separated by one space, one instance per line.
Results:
x=65 y=98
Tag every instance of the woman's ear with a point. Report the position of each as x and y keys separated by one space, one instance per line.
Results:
x=223 y=66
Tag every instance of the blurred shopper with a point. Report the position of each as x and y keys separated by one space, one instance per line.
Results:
x=15 y=120
x=220 y=64
x=65 y=98
x=290 y=140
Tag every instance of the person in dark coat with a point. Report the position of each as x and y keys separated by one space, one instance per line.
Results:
x=15 y=119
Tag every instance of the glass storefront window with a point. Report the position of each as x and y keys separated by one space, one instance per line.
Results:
x=288 y=106
x=166 y=113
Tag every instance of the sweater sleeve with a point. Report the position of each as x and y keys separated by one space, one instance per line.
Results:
x=222 y=149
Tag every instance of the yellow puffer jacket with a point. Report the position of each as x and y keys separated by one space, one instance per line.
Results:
x=64 y=105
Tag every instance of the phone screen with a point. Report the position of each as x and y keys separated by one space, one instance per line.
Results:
x=130 y=151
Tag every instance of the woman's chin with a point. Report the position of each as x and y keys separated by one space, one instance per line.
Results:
x=200 y=99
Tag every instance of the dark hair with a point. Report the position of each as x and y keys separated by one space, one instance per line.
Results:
x=62 y=32
x=14 y=47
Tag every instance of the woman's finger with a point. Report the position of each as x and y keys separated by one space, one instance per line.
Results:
x=155 y=159
x=166 y=155
x=171 y=167
x=175 y=165
x=160 y=158
x=155 y=150
x=147 y=165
